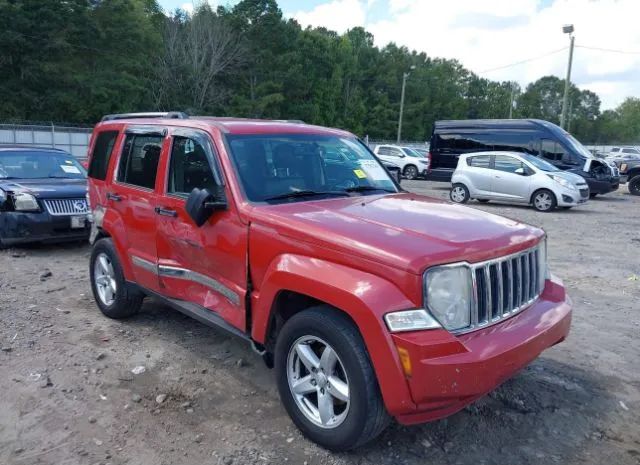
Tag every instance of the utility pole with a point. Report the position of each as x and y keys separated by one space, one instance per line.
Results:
x=511 y=102
x=568 y=29
x=404 y=83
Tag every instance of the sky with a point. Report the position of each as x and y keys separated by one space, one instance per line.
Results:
x=490 y=36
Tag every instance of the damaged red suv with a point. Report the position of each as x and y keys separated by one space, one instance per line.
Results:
x=372 y=303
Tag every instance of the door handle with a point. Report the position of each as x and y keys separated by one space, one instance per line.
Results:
x=114 y=197
x=166 y=212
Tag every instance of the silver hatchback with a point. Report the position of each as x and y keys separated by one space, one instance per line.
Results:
x=515 y=177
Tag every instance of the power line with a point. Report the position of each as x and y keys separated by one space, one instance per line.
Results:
x=524 y=61
x=611 y=50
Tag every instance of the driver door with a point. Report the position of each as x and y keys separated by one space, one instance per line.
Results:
x=507 y=184
x=203 y=265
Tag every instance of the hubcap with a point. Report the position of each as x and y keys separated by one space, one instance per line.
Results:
x=318 y=382
x=543 y=201
x=105 y=279
x=458 y=194
x=411 y=172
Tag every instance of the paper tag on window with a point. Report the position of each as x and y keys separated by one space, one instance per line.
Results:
x=361 y=174
x=374 y=170
x=70 y=169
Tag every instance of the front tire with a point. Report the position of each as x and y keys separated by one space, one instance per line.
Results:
x=410 y=172
x=459 y=193
x=544 y=200
x=326 y=381
x=114 y=296
x=634 y=185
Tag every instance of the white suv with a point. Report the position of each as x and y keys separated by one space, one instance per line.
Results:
x=412 y=163
x=518 y=178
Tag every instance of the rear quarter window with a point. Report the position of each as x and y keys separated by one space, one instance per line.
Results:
x=102 y=154
x=480 y=161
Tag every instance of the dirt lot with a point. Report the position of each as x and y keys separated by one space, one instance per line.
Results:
x=69 y=395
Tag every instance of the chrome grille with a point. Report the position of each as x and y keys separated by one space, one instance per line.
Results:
x=60 y=207
x=504 y=286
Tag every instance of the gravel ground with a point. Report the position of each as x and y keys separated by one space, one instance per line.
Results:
x=69 y=395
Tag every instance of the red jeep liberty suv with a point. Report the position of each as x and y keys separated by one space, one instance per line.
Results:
x=370 y=301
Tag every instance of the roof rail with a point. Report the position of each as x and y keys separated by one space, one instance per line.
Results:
x=166 y=114
x=295 y=121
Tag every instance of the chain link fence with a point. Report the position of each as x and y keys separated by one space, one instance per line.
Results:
x=74 y=140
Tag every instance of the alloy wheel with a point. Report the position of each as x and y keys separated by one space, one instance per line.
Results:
x=458 y=194
x=410 y=172
x=105 y=279
x=318 y=382
x=543 y=201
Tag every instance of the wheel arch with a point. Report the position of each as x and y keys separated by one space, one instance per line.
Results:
x=533 y=194
x=295 y=283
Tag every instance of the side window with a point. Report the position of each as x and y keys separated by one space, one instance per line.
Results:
x=394 y=152
x=629 y=151
x=139 y=160
x=615 y=149
x=102 y=154
x=481 y=161
x=383 y=151
x=508 y=164
x=554 y=152
x=189 y=167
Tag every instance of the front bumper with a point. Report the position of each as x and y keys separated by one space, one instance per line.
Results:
x=449 y=372
x=25 y=227
x=603 y=186
x=571 y=198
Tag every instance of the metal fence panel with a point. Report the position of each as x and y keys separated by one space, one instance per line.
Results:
x=71 y=139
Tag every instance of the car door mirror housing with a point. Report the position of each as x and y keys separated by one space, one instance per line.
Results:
x=201 y=204
x=520 y=171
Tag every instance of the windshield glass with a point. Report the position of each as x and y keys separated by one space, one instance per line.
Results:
x=27 y=164
x=539 y=162
x=411 y=152
x=578 y=147
x=277 y=165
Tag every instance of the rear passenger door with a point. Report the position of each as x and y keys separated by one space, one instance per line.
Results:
x=133 y=196
x=204 y=265
x=507 y=184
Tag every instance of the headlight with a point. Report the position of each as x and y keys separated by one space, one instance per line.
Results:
x=25 y=202
x=410 y=320
x=448 y=295
x=563 y=182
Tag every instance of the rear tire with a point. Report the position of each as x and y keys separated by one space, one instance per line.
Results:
x=459 y=193
x=115 y=297
x=544 y=200
x=349 y=421
x=634 y=185
x=410 y=172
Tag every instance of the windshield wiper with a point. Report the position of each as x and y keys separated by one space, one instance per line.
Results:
x=368 y=188
x=305 y=193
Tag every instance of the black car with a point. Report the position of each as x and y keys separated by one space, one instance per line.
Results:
x=42 y=196
x=540 y=138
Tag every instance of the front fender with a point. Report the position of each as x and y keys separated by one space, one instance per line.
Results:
x=363 y=296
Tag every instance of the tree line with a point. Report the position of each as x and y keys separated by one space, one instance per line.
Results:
x=77 y=60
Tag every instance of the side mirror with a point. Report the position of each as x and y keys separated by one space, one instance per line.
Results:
x=402 y=155
x=520 y=171
x=201 y=204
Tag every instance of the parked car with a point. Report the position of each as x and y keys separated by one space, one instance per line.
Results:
x=621 y=152
x=630 y=172
x=335 y=161
x=412 y=164
x=372 y=303
x=42 y=196
x=539 y=138
x=518 y=178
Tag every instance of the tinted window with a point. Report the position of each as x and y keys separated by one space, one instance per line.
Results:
x=102 y=154
x=189 y=167
x=507 y=140
x=508 y=164
x=139 y=161
x=629 y=151
x=35 y=164
x=552 y=151
x=481 y=161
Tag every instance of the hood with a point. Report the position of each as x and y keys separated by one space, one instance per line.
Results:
x=49 y=188
x=404 y=231
x=571 y=177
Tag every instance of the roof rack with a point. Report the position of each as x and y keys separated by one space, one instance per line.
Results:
x=166 y=114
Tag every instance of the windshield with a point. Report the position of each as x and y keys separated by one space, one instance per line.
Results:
x=26 y=164
x=272 y=166
x=539 y=163
x=578 y=147
x=411 y=152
